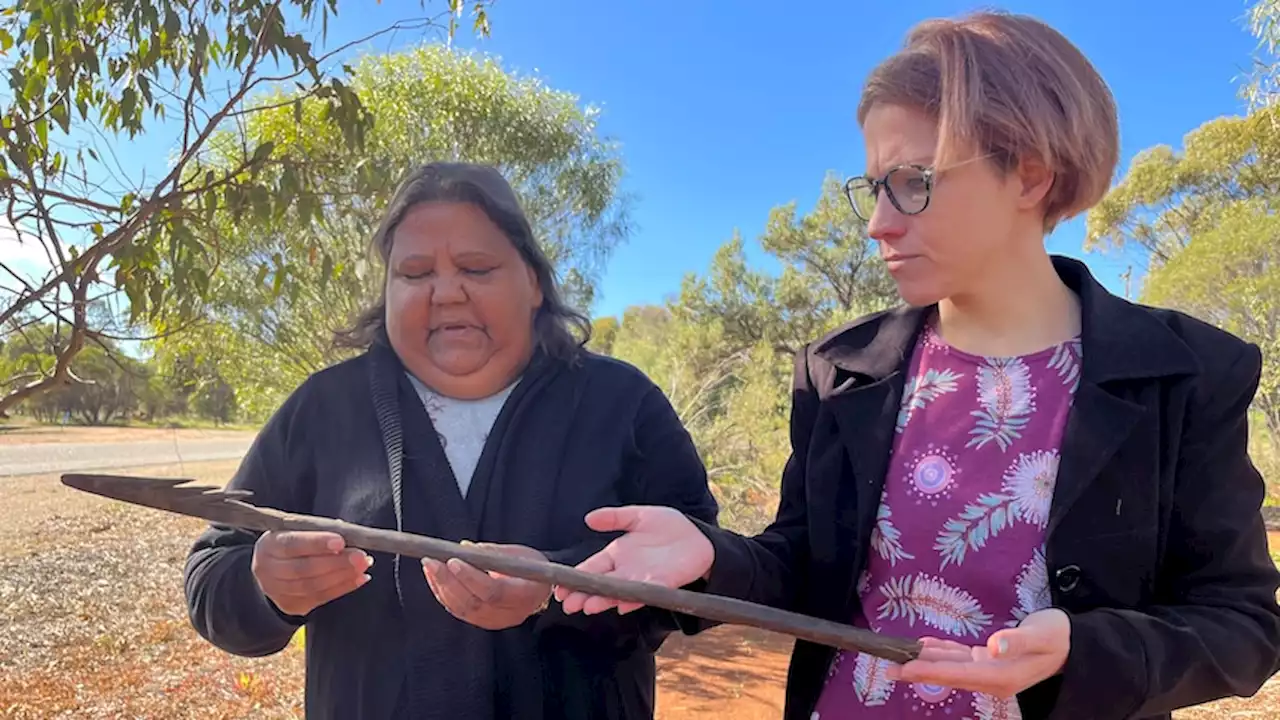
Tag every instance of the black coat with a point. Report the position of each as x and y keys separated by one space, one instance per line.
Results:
x=354 y=442
x=1155 y=546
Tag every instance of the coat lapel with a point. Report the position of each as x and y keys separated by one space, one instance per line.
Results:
x=864 y=402
x=1122 y=345
x=1098 y=425
x=517 y=473
x=439 y=502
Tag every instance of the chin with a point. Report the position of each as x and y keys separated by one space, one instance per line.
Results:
x=920 y=294
x=459 y=367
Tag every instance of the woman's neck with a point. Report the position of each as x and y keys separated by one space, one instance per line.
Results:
x=1020 y=307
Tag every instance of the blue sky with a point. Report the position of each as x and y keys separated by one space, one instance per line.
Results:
x=726 y=109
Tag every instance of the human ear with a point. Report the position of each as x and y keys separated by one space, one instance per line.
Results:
x=1035 y=181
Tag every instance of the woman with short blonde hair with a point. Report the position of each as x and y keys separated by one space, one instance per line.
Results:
x=1048 y=484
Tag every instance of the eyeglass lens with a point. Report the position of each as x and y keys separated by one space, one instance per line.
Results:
x=908 y=190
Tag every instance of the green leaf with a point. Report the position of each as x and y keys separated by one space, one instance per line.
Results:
x=128 y=103
x=156 y=296
x=260 y=203
x=306 y=208
x=172 y=25
x=42 y=133
x=126 y=202
x=262 y=152
x=326 y=271
x=60 y=115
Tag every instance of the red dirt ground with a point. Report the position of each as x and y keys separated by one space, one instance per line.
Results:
x=728 y=672
x=735 y=673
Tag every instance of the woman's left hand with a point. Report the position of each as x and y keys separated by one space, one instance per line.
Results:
x=1011 y=661
x=488 y=600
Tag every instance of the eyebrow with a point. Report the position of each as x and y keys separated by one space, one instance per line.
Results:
x=415 y=257
x=460 y=257
x=476 y=255
x=922 y=161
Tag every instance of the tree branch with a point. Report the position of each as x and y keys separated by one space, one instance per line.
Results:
x=62 y=369
x=8 y=182
x=43 y=212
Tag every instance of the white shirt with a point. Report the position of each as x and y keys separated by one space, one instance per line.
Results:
x=463 y=426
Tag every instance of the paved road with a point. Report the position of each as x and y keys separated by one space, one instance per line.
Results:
x=39 y=458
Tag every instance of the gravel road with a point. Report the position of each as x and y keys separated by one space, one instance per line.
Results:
x=41 y=458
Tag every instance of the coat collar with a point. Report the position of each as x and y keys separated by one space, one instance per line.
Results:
x=1122 y=341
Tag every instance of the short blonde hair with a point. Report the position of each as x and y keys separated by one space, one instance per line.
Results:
x=1011 y=87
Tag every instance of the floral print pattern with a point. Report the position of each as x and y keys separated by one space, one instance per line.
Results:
x=957 y=551
x=935 y=603
x=1007 y=399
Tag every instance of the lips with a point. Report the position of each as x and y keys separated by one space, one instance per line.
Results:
x=455 y=329
x=897 y=261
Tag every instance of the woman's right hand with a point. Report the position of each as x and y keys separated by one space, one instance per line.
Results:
x=660 y=545
x=300 y=571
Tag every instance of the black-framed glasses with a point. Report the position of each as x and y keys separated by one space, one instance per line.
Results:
x=909 y=188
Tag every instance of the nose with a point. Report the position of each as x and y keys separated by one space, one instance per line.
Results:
x=886 y=222
x=447 y=290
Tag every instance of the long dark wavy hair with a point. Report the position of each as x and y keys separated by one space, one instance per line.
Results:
x=559 y=330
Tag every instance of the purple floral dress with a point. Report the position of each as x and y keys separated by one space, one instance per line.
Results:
x=958 y=547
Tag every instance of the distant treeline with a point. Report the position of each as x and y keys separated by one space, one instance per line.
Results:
x=106 y=386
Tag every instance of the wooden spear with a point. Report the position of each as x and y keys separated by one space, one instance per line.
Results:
x=180 y=495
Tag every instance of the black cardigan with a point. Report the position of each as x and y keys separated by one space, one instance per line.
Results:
x=354 y=442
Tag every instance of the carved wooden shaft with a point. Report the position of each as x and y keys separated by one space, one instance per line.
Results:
x=228 y=507
x=703 y=605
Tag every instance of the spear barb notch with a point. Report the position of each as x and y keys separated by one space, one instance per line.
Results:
x=231 y=507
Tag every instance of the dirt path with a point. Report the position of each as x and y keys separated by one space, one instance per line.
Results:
x=50 y=450
x=75 y=434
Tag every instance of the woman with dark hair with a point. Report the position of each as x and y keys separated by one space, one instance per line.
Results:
x=474 y=413
x=1049 y=485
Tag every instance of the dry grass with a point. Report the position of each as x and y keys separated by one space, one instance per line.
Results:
x=95 y=627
